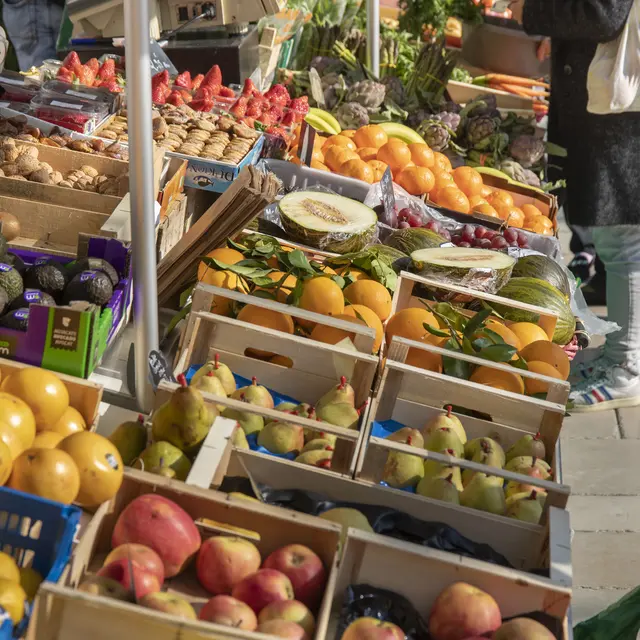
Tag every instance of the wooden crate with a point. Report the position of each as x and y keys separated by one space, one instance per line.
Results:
x=84 y=396
x=420 y=574
x=62 y=613
x=526 y=547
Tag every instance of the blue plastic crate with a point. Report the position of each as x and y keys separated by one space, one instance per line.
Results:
x=38 y=533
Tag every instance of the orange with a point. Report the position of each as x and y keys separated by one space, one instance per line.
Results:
x=295 y=160
x=422 y=155
x=505 y=333
x=409 y=324
x=549 y=352
x=416 y=180
x=498 y=379
x=395 y=173
x=442 y=179
x=474 y=201
x=378 y=169
x=545 y=222
x=225 y=255
x=282 y=292
x=266 y=318
x=452 y=198
x=395 y=153
x=332 y=335
x=528 y=332
x=358 y=169
x=511 y=215
x=469 y=181
x=424 y=360
x=486 y=191
x=339 y=141
x=367 y=153
x=17 y=419
x=372 y=135
x=223 y=280
x=371 y=319
x=316 y=155
x=539 y=226
x=315 y=164
x=544 y=369
x=499 y=197
x=318 y=142
x=441 y=161
x=321 y=295
x=486 y=210
x=337 y=155
x=530 y=210
x=348 y=133
x=356 y=274
x=371 y=294
x=99 y=464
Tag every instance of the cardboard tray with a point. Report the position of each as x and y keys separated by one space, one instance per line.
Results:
x=463 y=92
x=62 y=613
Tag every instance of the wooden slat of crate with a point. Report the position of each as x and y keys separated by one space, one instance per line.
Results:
x=65 y=614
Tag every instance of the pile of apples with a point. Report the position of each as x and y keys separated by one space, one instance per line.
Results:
x=460 y=612
x=154 y=540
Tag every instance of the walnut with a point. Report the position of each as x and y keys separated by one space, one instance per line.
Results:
x=27 y=164
x=10 y=154
x=56 y=177
x=89 y=170
x=26 y=138
x=30 y=151
x=66 y=183
x=10 y=169
x=8 y=129
x=41 y=176
x=72 y=178
x=47 y=166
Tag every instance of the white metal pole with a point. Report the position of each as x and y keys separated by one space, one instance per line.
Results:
x=139 y=106
x=373 y=36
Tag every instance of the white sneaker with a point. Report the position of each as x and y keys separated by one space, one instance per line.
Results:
x=614 y=388
x=592 y=362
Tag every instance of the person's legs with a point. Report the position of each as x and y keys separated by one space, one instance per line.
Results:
x=584 y=252
x=615 y=381
x=32 y=26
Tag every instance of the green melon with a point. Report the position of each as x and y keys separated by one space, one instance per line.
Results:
x=327 y=221
x=541 y=294
x=543 y=268
x=410 y=240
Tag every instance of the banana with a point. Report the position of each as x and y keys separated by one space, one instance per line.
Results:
x=319 y=124
x=490 y=171
x=402 y=132
x=327 y=117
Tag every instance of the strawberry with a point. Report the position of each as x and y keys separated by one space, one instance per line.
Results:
x=250 y=122
x=202 y=105
x=239 y=109
x=186 y=95
x=249 y=88
x=111 y=84
x=184 y=81
x=158 y=96
x=94 y=65
x=299 y=107
x=227 y=92
x=214 y=76
x=160 y=78
x=278 y=95
x=71 y=60
x=167 y=90
x=266 y=119
x=197 y=81
x=65 y=75
x=83 y=74
x=175 y=99
x=275 y=113
x=254 y=110
x=108 y=69
x=289 y=119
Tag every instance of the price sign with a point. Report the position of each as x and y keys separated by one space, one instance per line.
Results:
x=160 y=60
x=388 y=197
x=159 y=369
x=307 y=138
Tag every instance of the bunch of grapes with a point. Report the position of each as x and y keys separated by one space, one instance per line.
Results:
x=408 y=218
x=483 y=238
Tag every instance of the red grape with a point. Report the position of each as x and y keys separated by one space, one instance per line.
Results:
x=466 y=245
x=445 y=234
x=523 y=243
x=499 y=243
x=403 y=225
x=468 y=233
x=510 y=235
x=481 y=232
x=433 y=225
x=490 y=234
x=483 y=243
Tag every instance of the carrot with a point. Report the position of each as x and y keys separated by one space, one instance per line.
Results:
x=523 y=82
x=531 y=93
x=511 y=89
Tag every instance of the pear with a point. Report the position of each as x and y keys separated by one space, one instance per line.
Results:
x=286 y=406
x=312 y=458
x=445 y=420
x=342 y=394
x=184 y=420
x=281 y=438
x=130 y=439
x=484 y=493
x=522 y=464
x=249 y=422
x=409 y=436
x=527 y=446
x=434 y=469
x=525 y=507
x=210 y=384
x=402 y=470
x=319 y=444
x=220 y=371
x=254 y=394
x=439 y=488
x=239 y=439
x=347 y=518
x=339 y=414
x=523 y=629
x=444 y=438
x=162 y=458
x=474 y=450
x=514 y=487
x=310 y=435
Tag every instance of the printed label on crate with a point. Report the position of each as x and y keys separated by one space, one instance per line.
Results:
x=66 y=325
x=8 y=346
x=159 y=369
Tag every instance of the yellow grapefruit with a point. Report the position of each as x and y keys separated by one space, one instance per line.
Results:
x=223 y=280
x=321 y=295
x=47 y=440
x=549 y=352
x=497 y=379
x=333 y=335
x=17 y=415
x=224 y=255
x=527 y=332
x=371 y=294
x=544 y=369
x=268 y=319
x=70 y=422
x=409 y=324
x=371 y=319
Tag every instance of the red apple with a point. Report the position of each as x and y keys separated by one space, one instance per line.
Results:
x=145 y=557
x=128 y=575
x=101 y=586
x=168 y=603
x=463 y=611
x=305 y=570
x=223 y=561
x=372 y=629
x=229 y=612
x=291 y=610
x=283 y=629
x=262 y=588
x=164 y=526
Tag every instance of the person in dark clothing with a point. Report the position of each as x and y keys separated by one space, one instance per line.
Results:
x=603 y=158
x=33 y=27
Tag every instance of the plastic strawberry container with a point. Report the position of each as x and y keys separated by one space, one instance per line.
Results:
x=78 y=115
x=58 y=89
x=17 y=88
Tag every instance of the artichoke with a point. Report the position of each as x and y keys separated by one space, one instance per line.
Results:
x=436 y=134
x=395 y=89
x=479 y=128
x=368 y=93
x=449 y=119
x=334 y=88
x=527 y=150
x=513 y=169
x=416 y=117
x=352 y=115
x=531 y=178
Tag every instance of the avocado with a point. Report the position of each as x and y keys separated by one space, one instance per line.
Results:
x=4 y=301
x=10 y=281
x=47 y=276
x=92 y=286
x=17 y=319
x=93 y=264
x=3 y=247
x=16 y=262
x=32 y=296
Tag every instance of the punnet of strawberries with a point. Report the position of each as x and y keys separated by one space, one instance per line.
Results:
x=91 y=74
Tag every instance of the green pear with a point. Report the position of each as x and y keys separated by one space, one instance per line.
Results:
x=484 y=493
x=340 y=415
x=162 y=458
x=184 y=420
x=434 y=469
x=476 y=448
x=319 y=444
x=250 y=422
x=211 y=384
x=347 y=518
x=523 y=629
x=239 y=439
x=445 y=420
x=514 y=487
x=409 y=436
x=254 y=394
x=130 y=439
x=342 y=394
x=310 y=435
x=313 y=458
x=527 y=446
x=402 y=470
x=286 y=406
x=442 y=488
x=523 y=464
x=281 y=438
x=220 y=371
x=444 y=438
x=525 y=507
